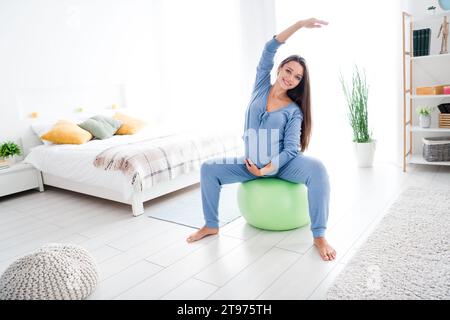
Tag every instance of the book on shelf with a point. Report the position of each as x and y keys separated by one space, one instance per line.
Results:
x=421 y=42
x=427 y=38
x=415 y=39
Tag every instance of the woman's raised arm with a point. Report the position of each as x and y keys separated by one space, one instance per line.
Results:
x=308 y=23
x=266 y=61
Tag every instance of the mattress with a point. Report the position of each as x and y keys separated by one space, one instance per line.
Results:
x=76 y=162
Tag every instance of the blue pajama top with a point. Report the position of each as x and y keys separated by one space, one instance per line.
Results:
x=270 y=136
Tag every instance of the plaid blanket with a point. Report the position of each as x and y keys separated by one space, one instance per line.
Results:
x=155 y=160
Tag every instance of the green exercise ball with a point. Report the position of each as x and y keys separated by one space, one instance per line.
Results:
x=273 y=204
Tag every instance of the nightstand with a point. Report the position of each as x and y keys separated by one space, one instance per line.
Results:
x=20 y=177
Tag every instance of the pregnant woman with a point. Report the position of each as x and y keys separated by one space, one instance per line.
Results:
x=277 y=132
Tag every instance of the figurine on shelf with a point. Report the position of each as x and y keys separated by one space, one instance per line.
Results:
x=444 y=31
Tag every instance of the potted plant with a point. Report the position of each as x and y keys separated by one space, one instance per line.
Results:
x=357 y=96
x=424 y=116
x=8 y=150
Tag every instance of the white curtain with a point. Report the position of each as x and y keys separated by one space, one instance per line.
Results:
x=206 y=57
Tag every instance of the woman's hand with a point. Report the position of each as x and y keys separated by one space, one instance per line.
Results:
x=252 y=168
x=308 y=23
x=313 y=23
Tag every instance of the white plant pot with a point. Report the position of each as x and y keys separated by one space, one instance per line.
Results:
x=9 y=160
x=365 y=153
x=424 y=121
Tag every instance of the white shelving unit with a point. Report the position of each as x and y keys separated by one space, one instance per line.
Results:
x=430 y=70
x=418 y=159
x=427 y=97
x=431 y=57
x=419 y=129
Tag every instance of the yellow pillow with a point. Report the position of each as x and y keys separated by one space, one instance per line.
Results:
x=65 y=132
x=129 y=125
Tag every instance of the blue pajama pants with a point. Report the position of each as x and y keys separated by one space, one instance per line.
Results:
x=301 y=169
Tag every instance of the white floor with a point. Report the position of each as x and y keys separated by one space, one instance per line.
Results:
x=144 y=258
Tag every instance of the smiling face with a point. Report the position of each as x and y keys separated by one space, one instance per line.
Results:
x=290 y=75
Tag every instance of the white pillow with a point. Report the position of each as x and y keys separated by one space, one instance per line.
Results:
x=40 y=129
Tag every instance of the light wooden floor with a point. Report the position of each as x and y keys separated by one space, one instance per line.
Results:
x=144 y=258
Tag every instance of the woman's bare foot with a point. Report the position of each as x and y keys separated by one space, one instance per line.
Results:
x=325 y=250
x=203 y=232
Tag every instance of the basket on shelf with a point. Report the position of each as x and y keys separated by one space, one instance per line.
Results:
x=436 y=149
x=444 y=116
x=444 y=120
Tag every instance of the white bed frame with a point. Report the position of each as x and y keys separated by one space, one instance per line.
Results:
x=136 y=200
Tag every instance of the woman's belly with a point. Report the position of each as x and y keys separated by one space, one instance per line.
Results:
x=262 y=145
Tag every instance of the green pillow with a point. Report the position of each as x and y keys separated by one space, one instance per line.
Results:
x=101 y=127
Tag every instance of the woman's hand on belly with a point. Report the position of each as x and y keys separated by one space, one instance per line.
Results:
x=252 y=168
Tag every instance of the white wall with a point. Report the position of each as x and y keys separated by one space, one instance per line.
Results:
x=58 y=46
x=188 y=62
x=366 y=33
x=419 y=7
x=197 y=58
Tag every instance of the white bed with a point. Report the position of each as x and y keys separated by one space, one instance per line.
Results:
x=71 y=167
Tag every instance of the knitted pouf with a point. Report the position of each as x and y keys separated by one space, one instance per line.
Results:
x=54 y=272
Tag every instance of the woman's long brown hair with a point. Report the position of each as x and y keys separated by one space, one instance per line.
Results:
x=302 y=97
